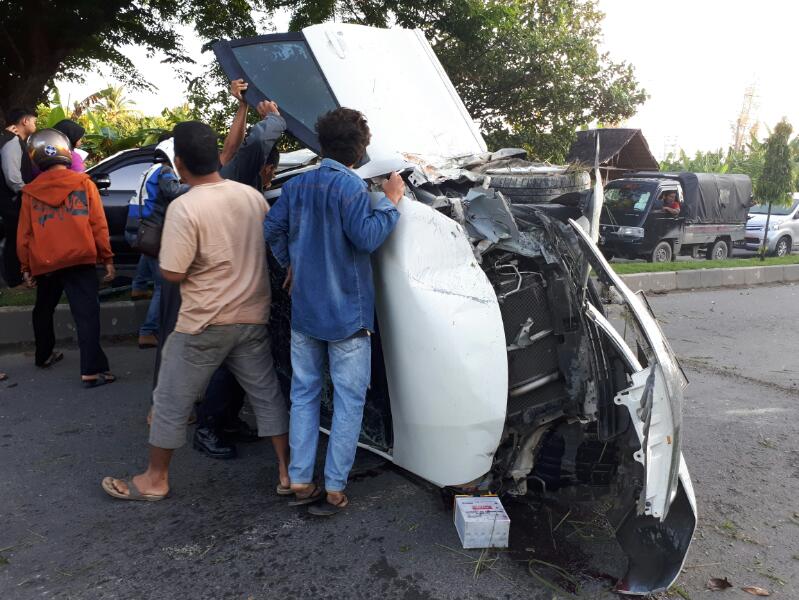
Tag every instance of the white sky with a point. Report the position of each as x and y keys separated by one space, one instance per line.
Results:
x=695 y=58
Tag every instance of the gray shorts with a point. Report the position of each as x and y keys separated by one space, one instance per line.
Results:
x=189 y=361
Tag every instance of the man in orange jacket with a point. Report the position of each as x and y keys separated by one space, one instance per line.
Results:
x=61 y=237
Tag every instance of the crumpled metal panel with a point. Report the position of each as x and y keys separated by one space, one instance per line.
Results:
x=444 y=346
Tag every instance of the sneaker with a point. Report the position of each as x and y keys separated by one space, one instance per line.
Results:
x=148 y=341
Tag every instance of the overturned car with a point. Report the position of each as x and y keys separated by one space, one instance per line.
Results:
x=495 y=367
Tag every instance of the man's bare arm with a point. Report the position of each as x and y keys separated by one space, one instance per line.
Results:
x=172 y=277
x=239 y=126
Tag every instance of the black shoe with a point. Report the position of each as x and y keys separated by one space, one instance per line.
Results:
x=208 y=442
x=240 y=431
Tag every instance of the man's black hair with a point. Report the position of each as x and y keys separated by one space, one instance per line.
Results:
x=195 y=144
x=15 y=115
x=343 y=135
x=274 y=157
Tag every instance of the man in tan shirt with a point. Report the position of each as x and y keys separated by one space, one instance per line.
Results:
x=213 y=245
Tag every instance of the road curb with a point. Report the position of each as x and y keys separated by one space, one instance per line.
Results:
x=116 y=319
x=697 y=279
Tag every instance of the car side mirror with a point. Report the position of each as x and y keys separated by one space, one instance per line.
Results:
x=103 y=182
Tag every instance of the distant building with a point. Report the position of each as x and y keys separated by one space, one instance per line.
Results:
x=620 y=151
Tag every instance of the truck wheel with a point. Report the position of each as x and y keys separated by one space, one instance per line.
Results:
x=662 y=253
x=533 y=189
x=719 y=251
x=783 y=247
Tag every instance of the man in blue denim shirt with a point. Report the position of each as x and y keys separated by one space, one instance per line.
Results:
x=323 y=229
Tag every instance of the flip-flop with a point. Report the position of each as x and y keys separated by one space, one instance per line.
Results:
x=133 y=491
x=283 y=491
x=102 y=379
x=51 y=360
x=325 y=509
x=314 y=496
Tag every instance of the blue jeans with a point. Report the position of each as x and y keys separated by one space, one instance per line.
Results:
x=146 y=270
x=350 y=370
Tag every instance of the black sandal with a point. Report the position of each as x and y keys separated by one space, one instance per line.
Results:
x=101 y=379
x=326 y=509
x=51 y=360
x=313 y=496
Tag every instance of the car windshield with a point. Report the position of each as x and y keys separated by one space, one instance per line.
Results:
x=628 y=196
x=762 y=209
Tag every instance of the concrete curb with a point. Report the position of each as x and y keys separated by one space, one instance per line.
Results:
x=124 y=318
x=116 y=319
x=697 y=279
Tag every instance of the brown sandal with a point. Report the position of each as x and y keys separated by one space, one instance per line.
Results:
x=313 y=496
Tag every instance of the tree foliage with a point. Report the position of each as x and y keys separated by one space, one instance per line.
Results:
x=528 y=70
x=776 y=183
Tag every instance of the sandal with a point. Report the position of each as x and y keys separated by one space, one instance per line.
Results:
x=51 y=360
x=283 y=491
x=314 y=495
x=101 y=379
x=133 y=491
x=327 y=509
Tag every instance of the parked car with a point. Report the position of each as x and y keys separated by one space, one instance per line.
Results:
x=783 y=228
x=117 y=177
x=494 y=365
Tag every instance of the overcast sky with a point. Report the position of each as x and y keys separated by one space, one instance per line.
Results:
x=695 y=58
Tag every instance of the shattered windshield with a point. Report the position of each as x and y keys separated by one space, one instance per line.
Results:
x=628 y=196
x=286 y=72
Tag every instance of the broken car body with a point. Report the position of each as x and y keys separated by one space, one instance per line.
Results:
x=495 y=367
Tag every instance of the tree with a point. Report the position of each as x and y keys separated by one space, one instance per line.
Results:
x=776 y=184
x=528 y=70
x=41 y=40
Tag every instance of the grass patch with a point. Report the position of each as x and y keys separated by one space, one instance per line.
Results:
x=645 y=267
x=26 y=297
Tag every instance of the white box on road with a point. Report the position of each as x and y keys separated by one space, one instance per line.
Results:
x=481 y=522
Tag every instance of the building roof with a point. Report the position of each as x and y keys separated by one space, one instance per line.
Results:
x=619 y=150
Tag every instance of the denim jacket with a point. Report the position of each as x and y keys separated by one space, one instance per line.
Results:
x=325 y=227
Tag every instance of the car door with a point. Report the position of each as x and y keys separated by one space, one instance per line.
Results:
x=124 y=170
x=375 y=71
x=793 y=225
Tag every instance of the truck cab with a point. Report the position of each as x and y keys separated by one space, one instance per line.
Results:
x=634 y=222
x=657 y=216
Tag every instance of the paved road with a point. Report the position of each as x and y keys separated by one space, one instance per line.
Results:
x=224 y=534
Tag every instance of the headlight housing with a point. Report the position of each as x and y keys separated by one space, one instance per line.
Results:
x=636 y=232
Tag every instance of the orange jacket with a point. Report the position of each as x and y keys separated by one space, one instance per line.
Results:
x=61 y=223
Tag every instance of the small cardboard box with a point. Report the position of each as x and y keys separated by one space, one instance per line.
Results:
x=481 y=522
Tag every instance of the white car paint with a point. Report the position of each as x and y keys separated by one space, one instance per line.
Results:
x=444 y=347
x=394 y=78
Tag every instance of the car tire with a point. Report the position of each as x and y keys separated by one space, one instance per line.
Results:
x=720 y=250
x=783 y=246
x=662 y=253
x=533 y=189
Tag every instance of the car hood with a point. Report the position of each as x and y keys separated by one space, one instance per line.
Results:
x=760 y=220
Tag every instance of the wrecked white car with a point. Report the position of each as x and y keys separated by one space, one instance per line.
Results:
x=495 y=367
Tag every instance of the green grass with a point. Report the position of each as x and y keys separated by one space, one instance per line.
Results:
x=27 y=297
x=644 y=267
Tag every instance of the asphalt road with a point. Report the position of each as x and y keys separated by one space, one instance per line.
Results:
x=224 y=533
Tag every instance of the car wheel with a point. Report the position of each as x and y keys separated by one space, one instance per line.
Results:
x=662 y=253
x=783 y=247
x=719 y=251
x=534 y=189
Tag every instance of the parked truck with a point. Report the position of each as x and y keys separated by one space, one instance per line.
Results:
x=658 y=216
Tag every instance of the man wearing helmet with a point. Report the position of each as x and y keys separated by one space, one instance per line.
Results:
x=62 y=236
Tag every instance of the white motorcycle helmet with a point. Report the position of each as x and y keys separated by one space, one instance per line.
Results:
x=165 y=152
